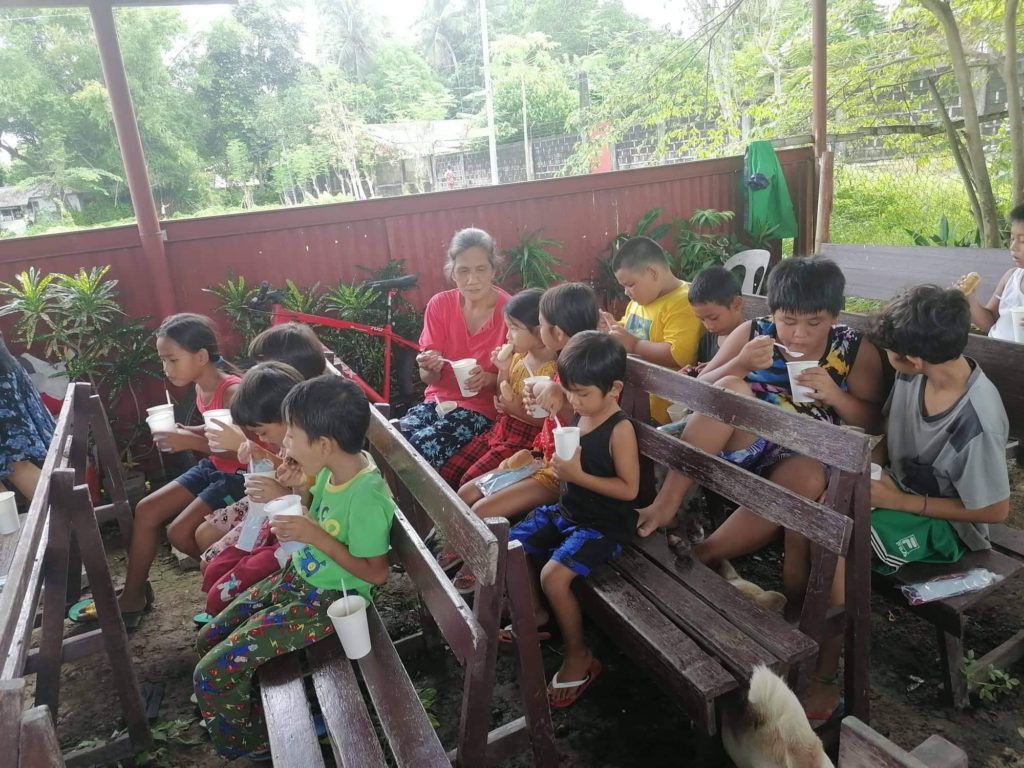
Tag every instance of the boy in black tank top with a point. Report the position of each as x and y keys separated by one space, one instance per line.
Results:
x=595 y=514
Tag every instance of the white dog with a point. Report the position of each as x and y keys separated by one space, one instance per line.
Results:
x=767 y=599
x=771 y=730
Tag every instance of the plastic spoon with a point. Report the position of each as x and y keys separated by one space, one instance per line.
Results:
x=788 y=351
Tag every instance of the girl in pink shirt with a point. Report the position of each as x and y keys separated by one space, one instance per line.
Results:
x=467 y=322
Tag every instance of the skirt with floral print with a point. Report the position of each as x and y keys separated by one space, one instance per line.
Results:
x=25 y=424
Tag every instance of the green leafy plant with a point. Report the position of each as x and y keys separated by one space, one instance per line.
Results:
x=309 y=300
x=531 y=264
x=81 y=324
x=234 y=294
x=699 y=243
x=946 y=237
x=990 y=683
x=428 y=697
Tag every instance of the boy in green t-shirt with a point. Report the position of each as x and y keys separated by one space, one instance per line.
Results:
x=659 y=324
x=347 y=535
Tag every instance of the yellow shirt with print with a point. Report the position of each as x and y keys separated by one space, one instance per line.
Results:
x=668 y=318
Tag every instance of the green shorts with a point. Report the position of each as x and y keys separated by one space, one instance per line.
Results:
x=898 y=538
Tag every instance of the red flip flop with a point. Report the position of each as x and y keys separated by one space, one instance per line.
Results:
x=577 y=686
x=507 y=635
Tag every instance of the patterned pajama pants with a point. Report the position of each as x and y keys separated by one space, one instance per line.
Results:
x=438 y=439
x=278 y=615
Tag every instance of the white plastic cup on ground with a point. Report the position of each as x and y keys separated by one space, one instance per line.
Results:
x=286 y=505
x=1017 y=319
x=800 y=394
x=348 y=614
x=220 y=414
x=876 y=471
x=445 y=407
x=537 y=412
x=567 y=440
x=9 y=522
x=462 y=368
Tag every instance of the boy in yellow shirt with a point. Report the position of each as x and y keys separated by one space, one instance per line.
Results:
x=659 y=325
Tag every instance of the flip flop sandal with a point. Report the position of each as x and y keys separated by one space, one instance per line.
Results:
x=464 y=582
x=507 y=635
x=202 y=619
x=449 y=560
x=576 y=688
x=84 y=611
x=827 y=718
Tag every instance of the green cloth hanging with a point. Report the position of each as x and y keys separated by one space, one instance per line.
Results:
x=768 y=200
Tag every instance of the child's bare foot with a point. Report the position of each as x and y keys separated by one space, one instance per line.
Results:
x=652 y=518
x=821 y=700
x=572 y=679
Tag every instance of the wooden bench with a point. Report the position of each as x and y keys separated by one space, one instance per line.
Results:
x=883 y=271
x=423 y=500
x=862 y=747
x=1000 y=360
x=43 y=563
x=697 y=635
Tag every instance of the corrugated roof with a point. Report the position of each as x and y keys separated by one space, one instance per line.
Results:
x=15 y=196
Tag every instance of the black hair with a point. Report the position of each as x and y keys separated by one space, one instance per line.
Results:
x=806 y=286
x=714 y=285
x=924 y=321
x=571 y=307
x=262 y=392
x=1017 y=214
x=194 y=333
x=471 y=237
x=293 y=343
x=592 y=359
x=330 y=406
x=638 y=252
x=525 y=307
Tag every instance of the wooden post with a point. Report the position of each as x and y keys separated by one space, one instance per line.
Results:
x=150 y=234
x=819 y=75
x=824 y=216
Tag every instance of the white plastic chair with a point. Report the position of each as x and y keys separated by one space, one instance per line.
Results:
x=755 y=267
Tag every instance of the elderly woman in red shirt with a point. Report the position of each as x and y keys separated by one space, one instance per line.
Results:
x=461 y=325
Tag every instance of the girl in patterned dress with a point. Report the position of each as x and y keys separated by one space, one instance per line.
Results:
x=26 y=425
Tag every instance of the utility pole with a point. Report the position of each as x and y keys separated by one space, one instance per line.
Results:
x=492 y=141
x=527 y=147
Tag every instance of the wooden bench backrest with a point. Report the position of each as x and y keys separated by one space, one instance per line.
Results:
x=15 y=594
x=862 y=747
x=883 y=271
x=839 y=448
x=1002 y=361
x=418 y=487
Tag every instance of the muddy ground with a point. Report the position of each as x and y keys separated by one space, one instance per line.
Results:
x=624 y=720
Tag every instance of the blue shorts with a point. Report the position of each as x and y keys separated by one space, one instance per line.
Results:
x=214 y=488
x=548 y=535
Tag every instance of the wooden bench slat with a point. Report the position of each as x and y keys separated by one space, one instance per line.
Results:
x=785 y=641
x=293 y=739
x=737 y=652
x=862 y=747
x=820 y=524
x=466 y=534
x=412 y=739
x=353 y=737
x=644 y=633
x=13 y=664
x=452 y=615
x=1007 y=539
x=39 y=745
x=829 y=443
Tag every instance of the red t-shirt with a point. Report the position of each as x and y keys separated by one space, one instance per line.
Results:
x=444 y=330
x=215 y=402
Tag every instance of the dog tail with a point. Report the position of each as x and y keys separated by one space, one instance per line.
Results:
x=771 y=701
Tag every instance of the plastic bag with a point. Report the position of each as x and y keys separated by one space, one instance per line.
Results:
x=498 y=479
x=50 y=379
x=950 y=585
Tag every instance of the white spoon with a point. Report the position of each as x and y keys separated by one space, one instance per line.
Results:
x=788 y=351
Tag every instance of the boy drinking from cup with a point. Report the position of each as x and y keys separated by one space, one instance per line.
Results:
x=346 y=537
x=598 y=464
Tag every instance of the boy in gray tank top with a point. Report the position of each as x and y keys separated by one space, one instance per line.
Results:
x=947 y=433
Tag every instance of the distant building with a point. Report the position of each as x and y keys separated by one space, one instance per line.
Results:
x=22 y=206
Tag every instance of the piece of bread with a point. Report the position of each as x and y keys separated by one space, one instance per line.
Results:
x=968 y=284
x=505 y=352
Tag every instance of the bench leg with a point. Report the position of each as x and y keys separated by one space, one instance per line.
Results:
x=951 y=651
